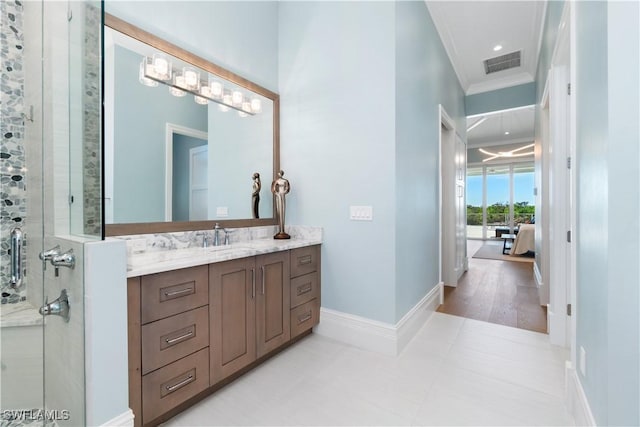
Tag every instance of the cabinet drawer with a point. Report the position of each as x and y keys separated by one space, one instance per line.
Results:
x=166 y=388
x=304 y=289
x=172 y=292
x=305 y=317
x=304 y=260
x=170 y=339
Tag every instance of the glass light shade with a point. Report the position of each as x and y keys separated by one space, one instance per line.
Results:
x=216 y=89
x=223 y=108
x=227 y=99
x=237 y=98
x=141 y=76
x=206 y=91
x=161 y=67
x=191 y=78
x=256 y=105
x=246 y=106
x=200 y=100
x=242 y=114
x=178 y=81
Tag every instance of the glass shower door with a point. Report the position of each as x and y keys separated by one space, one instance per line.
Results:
x=50 y=189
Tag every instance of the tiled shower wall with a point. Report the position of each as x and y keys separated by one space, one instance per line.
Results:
x=92 y=206
x=12 y=154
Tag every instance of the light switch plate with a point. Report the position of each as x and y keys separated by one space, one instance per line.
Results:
x=222 y=212
x=361 y=213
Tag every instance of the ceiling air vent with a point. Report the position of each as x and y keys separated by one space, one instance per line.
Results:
x=502 y=62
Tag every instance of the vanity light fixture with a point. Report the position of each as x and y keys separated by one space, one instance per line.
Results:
x=161 y=67
x=506 y=154
x=158 y=69
x=179 y=82
x=142 y=75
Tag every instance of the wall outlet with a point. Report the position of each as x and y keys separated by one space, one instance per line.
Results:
x=222 y=212
x=582 y=362
x=361 y=213
x=137 y=245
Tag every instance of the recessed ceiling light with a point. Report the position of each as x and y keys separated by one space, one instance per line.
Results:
x=507 y=133
x=497 y=47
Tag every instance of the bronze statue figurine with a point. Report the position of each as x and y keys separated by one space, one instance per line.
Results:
x=255 y=196
x=280 y=187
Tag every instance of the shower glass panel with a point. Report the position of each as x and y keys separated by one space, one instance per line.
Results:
x=50 y=123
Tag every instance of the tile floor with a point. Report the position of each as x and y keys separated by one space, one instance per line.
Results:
x=455 y=371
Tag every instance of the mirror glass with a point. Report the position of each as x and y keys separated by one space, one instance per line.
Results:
x=171 y=156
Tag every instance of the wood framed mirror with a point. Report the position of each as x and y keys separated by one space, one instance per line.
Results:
x=174 y=160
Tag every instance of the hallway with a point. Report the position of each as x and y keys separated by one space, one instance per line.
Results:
x=502 y=292
x=456 y=371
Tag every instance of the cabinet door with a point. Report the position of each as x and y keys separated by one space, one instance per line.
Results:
x=232 y=302
x=272 y=301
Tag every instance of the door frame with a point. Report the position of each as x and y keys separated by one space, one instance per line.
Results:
x=448 y=137
x=172 y=129
x=192 y=152
x=562 y=135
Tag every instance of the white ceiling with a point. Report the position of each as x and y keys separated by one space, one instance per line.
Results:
x=492 y=127
x=470 y=29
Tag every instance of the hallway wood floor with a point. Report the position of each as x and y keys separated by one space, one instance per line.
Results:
x=501 y=292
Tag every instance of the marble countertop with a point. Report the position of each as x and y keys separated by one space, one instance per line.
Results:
x=139 y=264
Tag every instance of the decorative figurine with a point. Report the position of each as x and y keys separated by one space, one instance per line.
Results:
x=279 y=188
x=255 y=196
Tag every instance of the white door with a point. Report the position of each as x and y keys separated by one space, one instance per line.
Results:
x=198 y=183
x=460 y=162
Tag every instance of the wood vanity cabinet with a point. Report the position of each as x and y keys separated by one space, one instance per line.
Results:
x=190 y=329
x=249 y=302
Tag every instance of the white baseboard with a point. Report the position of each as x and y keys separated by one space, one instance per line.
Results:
x=577 y=402
x=537 y=275
x=122 y=420
x=378 y=336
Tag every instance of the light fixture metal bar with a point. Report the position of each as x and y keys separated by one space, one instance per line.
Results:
x=217 y=101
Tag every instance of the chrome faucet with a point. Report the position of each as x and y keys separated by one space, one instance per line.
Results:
x=59 y=307
x=216 y=235
x=205 y=239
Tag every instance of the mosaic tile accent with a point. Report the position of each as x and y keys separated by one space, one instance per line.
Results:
x=92 y=194
x=13 y=206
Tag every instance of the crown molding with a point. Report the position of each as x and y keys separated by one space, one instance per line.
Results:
x=501 y=83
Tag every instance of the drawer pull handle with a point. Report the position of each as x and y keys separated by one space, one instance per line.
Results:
x=181 y=291
x=304 y=317
x=184 y=382
x=263 y=279
x=303 y=289
x=253 y=283
x=304 y=260
x=180 y=338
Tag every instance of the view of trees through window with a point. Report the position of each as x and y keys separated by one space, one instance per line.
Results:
x=498 y=196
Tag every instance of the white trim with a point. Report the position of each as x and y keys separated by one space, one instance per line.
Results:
x=372 y=335
x=501 y=83
x=577 y=402
x=171 y=129
x=123 y=420
x=443 y=120
x=541 y=36
x=537 y=275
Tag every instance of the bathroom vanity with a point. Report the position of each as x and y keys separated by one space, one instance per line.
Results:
x=201 y=317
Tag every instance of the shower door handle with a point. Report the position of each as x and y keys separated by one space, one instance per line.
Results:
x=16 y=257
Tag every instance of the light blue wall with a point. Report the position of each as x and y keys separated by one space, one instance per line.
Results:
x=501 y=99
x=608 y=238
x=238 y=147
x=140 y=117
x=360 y=127
x=337 y=88
x=424 y=79
x=624 y=207
x=592 y=229
x=240 y=36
